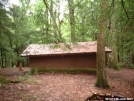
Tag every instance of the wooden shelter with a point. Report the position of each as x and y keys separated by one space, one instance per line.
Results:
x=63 y=55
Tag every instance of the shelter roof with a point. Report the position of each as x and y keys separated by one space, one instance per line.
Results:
x=61 y=48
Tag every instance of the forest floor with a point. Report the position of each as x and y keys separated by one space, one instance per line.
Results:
x=63 y=87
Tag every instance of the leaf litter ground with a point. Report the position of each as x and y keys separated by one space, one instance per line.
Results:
x=64 y=87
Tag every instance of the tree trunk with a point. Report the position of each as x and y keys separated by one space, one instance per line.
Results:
x=2 y=59
x=114 y=56
x=47 y=26
x=5 y=60
x=59 y=22
x=55 y=26
x=101 y=67
x=72 y=19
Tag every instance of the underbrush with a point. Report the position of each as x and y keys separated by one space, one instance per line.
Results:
x=3 y=80
x=27 y=78
x=64 y=71
x=18 y=78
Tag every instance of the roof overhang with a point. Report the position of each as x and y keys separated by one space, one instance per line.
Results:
x=61 y=49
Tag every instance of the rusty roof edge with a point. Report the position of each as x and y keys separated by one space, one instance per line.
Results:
x=56 y=54
x=25 y=55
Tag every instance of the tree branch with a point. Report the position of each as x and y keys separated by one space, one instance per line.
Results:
x=122 y=3
x=112 y=5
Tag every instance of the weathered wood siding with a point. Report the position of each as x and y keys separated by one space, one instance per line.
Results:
x=63 y=61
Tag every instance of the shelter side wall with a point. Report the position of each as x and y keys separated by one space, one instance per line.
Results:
x=64 y=61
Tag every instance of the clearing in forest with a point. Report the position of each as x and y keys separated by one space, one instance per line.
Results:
x=64 y=87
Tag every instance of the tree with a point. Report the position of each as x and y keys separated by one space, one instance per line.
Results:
x=101 y=68
x=72 y=19
x=124 y=32
x=53 y=14
x=5 y=35
x=79 y=23
x=113 y=59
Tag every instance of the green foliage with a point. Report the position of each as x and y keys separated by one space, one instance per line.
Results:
x=27 y=78
x=64 y=71
x=3 y=80
x=30 y=97
x=34 y=71
x=118 y=66
x=21 y=25
x=102 y=84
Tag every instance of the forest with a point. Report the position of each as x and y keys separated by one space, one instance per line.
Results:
x=25 y=22
x=55 y=21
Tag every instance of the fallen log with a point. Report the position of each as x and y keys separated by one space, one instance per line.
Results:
x=106 y=97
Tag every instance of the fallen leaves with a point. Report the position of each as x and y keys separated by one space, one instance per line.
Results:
x=62 y=87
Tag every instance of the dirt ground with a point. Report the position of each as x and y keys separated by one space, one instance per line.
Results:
x=63 y=87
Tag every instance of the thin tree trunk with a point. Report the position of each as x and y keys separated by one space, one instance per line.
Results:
x=47 y=26
x=101 y=67
x=114 y=56
x=83 y=27
x=72 y=19
x=2 y=59
x=56 y=31
x=17 y=52
x=59 y=22
x=10 y=40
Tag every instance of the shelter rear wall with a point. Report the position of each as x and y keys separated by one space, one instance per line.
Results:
x=64 y=61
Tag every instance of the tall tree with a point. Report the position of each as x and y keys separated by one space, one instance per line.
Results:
x=5 y=34
x=53 y=14
x=113 y=44
x=124 y=32
x=101 y=67
x=21 y=19
x=72 y=19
